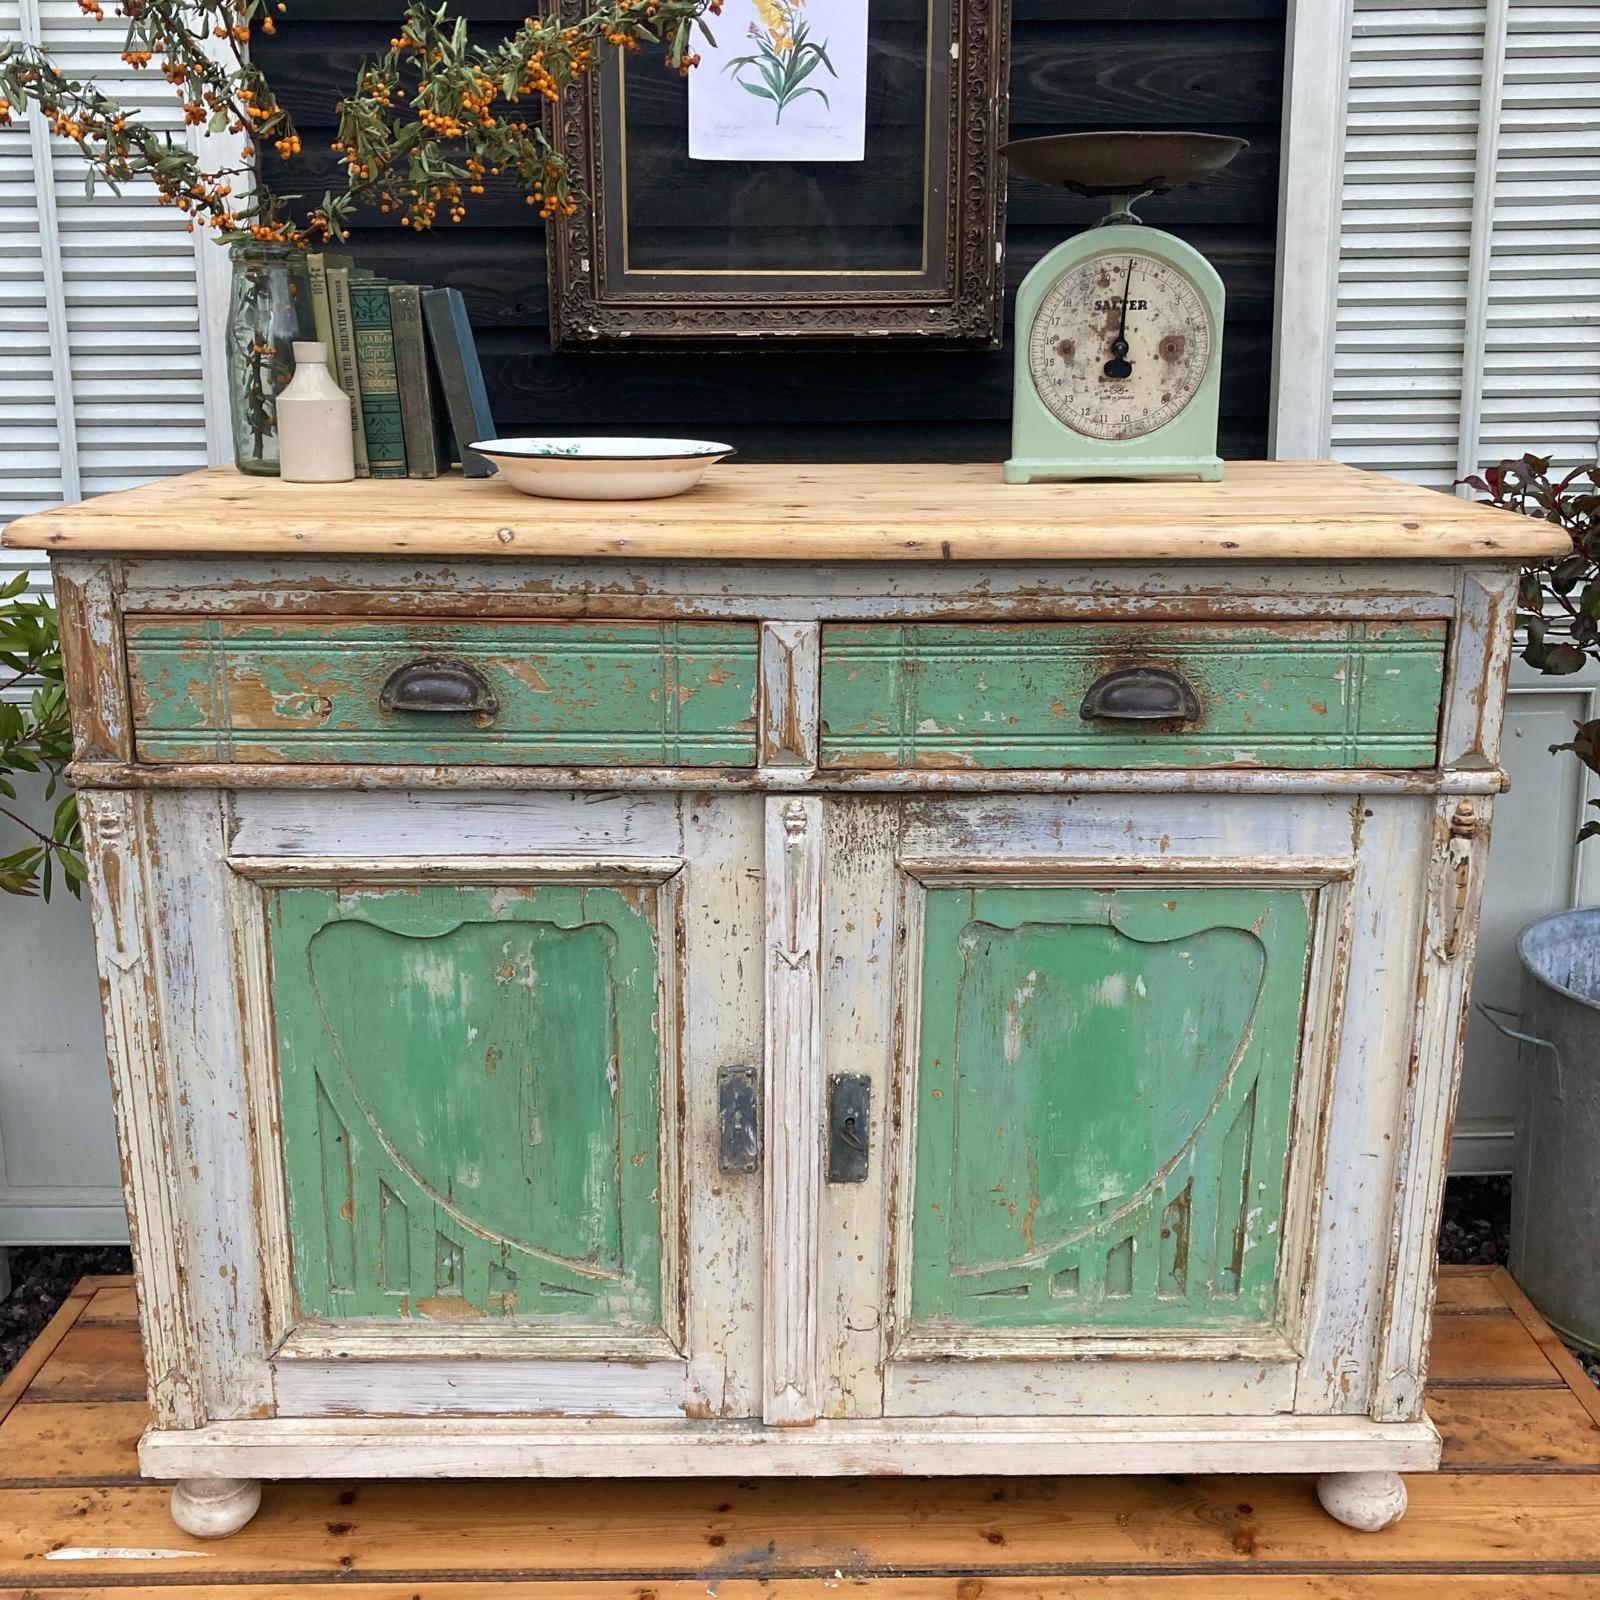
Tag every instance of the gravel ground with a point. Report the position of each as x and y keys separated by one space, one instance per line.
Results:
x=1476 y=1231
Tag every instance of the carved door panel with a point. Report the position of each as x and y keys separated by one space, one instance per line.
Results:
x=472 y=1100
x=1105 y=1030
x=1101 y=1104
x=488 y=1101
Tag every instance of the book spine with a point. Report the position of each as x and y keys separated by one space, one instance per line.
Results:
x=411 y=375
x=460 y=376
x=380 y=389
x=317 y=272
x=344 y=357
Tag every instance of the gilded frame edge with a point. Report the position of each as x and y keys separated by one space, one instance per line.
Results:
x=971 y=311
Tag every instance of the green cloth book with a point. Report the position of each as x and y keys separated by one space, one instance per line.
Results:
x=421 y=406
x=460 y=377
x=317 y=264
x=344 y=355
x=380 y=387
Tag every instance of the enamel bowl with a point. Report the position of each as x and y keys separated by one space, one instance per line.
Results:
x=602 y=469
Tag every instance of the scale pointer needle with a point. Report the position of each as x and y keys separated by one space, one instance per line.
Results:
x=1119 y=366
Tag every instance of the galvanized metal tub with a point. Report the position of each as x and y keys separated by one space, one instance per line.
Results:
x=1555 y=1203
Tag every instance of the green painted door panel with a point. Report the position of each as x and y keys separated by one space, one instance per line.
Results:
x=569 y=693
x=1304 y=694
x=470 y=1091
x=1104 y=1083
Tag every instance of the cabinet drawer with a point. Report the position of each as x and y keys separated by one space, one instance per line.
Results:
x=312 y=690
x=1312 y=694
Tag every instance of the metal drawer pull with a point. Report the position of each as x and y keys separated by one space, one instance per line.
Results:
x=435 y=685
x=1141 y=694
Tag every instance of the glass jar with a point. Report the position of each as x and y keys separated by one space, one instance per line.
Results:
x=269 y=307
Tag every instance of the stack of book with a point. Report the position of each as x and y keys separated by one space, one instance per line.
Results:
x=406 y=357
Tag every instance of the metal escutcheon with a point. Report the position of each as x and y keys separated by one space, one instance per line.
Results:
x=738 y=1120
x=849 y=1127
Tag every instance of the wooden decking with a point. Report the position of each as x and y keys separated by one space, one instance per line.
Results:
x=1515 y=1513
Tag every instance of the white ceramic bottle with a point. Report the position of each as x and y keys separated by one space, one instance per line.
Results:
x=315 y=441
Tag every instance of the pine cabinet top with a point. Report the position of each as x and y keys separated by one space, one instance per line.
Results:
x=1262 y=510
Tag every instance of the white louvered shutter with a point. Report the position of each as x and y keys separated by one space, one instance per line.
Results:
x=1468 y=315
x=103 y=300
x=1541 y=384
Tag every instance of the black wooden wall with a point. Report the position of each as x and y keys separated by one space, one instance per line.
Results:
x=1210 y=64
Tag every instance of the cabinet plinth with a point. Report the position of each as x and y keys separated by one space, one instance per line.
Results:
x=832 y=1000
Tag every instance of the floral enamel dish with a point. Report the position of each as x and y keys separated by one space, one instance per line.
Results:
x=589 y=468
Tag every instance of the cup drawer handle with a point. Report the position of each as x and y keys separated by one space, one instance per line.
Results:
x=1141 y=694
x=437 y=685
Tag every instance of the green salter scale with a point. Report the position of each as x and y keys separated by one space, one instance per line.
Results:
x=1119 y=329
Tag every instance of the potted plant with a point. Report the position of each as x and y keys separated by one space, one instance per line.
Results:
x=422 y=129
x=34 y=738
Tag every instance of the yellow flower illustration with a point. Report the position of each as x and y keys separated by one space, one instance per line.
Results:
x=785 y=57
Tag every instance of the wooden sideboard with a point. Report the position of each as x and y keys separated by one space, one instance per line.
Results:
x=853 y=970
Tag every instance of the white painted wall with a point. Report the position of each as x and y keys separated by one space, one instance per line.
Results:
x=58 y=1159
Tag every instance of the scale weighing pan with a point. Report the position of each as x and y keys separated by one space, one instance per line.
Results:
x=1122 y=163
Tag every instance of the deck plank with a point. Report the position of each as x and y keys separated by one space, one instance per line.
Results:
x=113 y=1301
x=1514 y=1516
x=92 y=1362
x=1343 y=1585
x=41 y=1352
x=714 y=1529
x=72 y=1441
x=1491 y=1349
x=1468 y=1290
x=1515 y=1430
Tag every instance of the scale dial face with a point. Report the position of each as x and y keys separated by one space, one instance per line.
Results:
x=1119 y=346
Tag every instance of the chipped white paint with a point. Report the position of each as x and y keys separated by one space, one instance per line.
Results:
x=120 y=1552
x=498 y=1447
x=790 y=918
x=793 y=1115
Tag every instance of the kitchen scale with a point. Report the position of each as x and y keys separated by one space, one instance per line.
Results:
x=1118 y=329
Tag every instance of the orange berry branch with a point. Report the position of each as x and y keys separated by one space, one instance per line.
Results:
x=421 y=131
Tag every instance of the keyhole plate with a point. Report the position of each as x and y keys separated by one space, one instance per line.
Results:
x=849 y=1127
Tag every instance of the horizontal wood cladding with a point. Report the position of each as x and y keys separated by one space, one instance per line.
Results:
x=1291 y=695
x=622 y=694
x=1107 y=63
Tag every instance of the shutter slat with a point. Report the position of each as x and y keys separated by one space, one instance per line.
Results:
x=1404 y=315
x=131 y=341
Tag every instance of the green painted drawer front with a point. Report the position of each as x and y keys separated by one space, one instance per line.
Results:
x=570 y=693
x=470 y=1088
x=1103 y=1091
x=1290 y=695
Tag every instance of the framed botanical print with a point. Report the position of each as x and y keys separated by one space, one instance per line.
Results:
x=830 y=170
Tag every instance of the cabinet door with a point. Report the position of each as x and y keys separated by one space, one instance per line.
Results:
x=1101 y=1098
x=471 y=1099
x=1100 y=1035
x=483 y=1038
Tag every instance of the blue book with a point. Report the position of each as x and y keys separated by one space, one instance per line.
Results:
x=455 y=354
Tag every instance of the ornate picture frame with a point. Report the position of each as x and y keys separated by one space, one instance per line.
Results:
x=669 y=251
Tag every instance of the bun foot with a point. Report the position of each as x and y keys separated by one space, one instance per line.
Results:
x=1365 y=1501
x=212 y=1508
